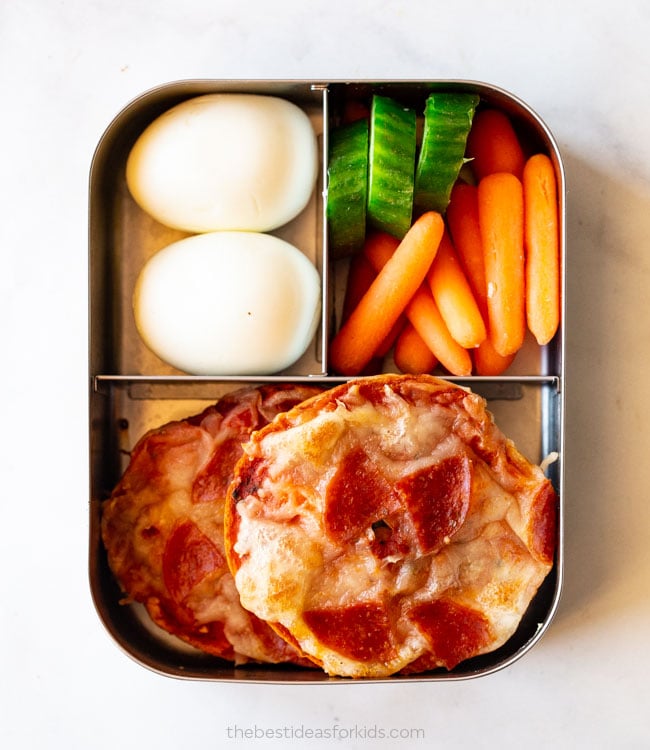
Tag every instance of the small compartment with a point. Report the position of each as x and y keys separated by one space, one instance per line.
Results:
x=531 y=360
x=123 y=236
x=131 y=390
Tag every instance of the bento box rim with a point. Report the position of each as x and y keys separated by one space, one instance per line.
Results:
x=177 y=86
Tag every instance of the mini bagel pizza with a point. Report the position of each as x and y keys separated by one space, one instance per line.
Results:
x=387 y=525
x=163 y=526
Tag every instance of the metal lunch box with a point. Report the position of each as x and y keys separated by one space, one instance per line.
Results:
x=131 y=390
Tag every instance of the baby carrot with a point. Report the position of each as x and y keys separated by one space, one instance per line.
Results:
x=355 y=110
x=493 y=145
x=501 y=218
x=454 y=297
x=389 y=294
x=385 y=244
x=541 y=232
x=411 y=354
x=427 y=321
x=488 y=361
x=462 y=220
x=379 y=248
x=360 y=276
x=391 y=337
x=422 y=311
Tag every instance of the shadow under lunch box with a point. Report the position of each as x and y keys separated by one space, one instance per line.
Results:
x=132 y=391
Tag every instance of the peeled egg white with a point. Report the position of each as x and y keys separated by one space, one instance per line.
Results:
x=225 y=303
x=225 y=162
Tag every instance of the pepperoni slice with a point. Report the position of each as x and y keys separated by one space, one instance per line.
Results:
x=358 y=495
x=455 y=632
x=240 y=415
x=211 y=484
x=175 y=618
x=188 y=558
x=164 y=458
x=543 y=522
x=360 y=631
x=277 y=648
x=438 y=500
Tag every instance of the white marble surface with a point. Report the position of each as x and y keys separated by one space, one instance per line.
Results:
x=66 y=68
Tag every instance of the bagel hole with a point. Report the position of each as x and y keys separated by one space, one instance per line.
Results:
x=382 y=531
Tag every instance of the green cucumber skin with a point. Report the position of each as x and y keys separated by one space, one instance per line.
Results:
x=391 y=173
x=447 y=122
x=347 y=187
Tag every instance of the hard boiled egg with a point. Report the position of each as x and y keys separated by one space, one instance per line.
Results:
x=224 y=303
x=225 y=162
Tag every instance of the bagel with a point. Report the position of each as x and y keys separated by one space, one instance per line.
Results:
x=162 y=526
x=388 y=526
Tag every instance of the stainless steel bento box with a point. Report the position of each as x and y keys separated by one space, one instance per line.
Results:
x=131 y=390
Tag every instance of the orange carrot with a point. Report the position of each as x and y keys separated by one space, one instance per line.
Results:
x=355 y=110
x=493 y=145
x=389 y=294
x=379 y=248
x=501 y=218
x=391 y=337
x=488 y=361
x=427 y=321
x=422 y=311
x=454 y=297
x=360 y=276
x=411 y=354
x=541 y=232
x=462 y=220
